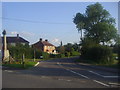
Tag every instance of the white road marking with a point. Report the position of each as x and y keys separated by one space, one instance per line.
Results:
x=78 y=73
x=96 y=73
x=103 y=75
x=74 y=71
x=114 y=83
x=58 y=63
x=36 y=64
x=60 y=79
x=86 y=76
x=68 y=80
x=8 y=71
x=101 y=83
x=111 y=76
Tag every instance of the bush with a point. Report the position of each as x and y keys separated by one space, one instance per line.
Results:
x=99 y=54
x=45 y=55
x=75 y=53
x=67 y=54
x=38 y=53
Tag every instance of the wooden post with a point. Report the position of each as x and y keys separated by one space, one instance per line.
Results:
x=34 y=55
x=23 y=61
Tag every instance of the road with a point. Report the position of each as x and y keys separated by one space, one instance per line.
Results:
x=59 y=73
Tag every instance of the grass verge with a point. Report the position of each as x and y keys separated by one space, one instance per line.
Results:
x=114 y=65
x=18 y=65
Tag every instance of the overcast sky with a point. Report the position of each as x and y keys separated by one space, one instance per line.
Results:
x=52 y=21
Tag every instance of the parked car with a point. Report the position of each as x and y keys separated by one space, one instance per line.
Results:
x=41 y=57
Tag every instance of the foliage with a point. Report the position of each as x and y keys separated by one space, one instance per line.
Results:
x=45 y=55
x=102 y=32
x=57 y=55
x=68 y=50
x=18 y=65
x=67 y=54
x=17 y=51
x=98 y=53
x=75 y=53
x=37 y=53
x=119 y=53
x=96 y=23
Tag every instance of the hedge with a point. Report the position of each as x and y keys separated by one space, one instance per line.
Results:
x=98 y=53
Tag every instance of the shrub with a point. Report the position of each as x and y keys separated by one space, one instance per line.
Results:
x=99 y=54
x=38 y=53
x=75 y=53
x=60 y=55
x=45 y=55
x=67 y=54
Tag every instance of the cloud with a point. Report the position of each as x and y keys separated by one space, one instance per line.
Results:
x=55 y=40
x=27 y=34
x=22 y=33
x=12 y=33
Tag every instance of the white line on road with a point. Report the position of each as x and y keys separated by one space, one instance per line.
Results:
x=111 y=76
x=96 y=73
x=104 y=76
x=86 y=76
x=8 y=70
x=74 y=71
x=101 y=83
x=114 y=83
x=77 y=73
x=36 y=64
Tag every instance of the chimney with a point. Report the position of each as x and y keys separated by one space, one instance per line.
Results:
x=17 y=36
x=46 y=40
x=40 y=39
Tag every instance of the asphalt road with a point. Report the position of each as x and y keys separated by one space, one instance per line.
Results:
x=59 y=73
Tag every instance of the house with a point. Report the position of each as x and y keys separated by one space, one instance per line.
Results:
x=45 y=46
x=16 y=40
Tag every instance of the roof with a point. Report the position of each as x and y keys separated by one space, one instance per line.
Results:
x=47 y=43
x=43 y=43
x=15 y=39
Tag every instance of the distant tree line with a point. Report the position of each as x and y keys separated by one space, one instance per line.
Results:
x=30 y=53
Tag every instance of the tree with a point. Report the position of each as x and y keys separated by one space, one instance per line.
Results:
x=102 y=32
x=97 y=23
x=79 y=20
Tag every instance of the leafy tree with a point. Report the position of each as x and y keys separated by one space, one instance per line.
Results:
x=97 y=23
x=76 y=47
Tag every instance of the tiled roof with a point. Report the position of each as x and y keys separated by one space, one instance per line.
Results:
x=15 y=39
x=47 y=43
x=43 y=43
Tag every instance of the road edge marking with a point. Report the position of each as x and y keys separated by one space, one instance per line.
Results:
x=101 y=83
x=36 y=64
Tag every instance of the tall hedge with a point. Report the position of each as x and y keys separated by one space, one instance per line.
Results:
x=98 y=53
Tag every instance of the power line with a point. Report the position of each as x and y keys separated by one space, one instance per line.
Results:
x=30 y=21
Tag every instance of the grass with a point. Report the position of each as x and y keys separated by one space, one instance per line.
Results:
x=18 y=65
x=113 y=65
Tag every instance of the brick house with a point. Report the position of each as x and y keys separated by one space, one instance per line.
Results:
x=12 y=41
x=45 y=46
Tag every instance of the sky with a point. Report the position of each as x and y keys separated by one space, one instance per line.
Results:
x=47 y=20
